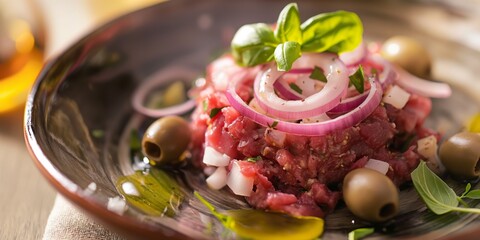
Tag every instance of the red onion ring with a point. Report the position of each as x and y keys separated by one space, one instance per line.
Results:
x=159 y=79
x=285 y=92
x=388 y=75
x=349 y=119
x=421 y=86
x=316 y=104
x=349 y=104
x=356 y=56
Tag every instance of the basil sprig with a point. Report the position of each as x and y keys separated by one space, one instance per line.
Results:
x=255 y=44
x=437 y=195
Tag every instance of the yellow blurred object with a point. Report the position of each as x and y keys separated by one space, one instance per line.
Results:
x=20 y=62
x=473 y=124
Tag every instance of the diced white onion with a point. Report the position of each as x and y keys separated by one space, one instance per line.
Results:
x=428 y=148
x=239 y=183
x=218 y=179
x=209 y=170
x=214 y=158
x=117 y=205
x=377 y=165
x=91 y=188
x=396 y=96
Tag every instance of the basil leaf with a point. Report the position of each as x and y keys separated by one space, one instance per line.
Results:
x=288 y=24
x=253 y=44
x=358 y=79
x=436 y=194
x=337 y=32
x=285 y=54
x=317 y=74
x=474 y=194
x=360 y=233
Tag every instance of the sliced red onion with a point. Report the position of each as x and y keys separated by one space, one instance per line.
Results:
x=356 y=56
x=239 y=183
x=396 y=97
x=388 y=75
x=310 y=129
x=285 y=91
x=316 y=104
x=421 y=86
x=218 y=179
x=159 y=79
x=348 y=104
x=307 y=85
x=212 y=157
x=377 y=165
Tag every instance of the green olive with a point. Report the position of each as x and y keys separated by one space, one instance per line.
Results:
x=409 y=54
x=461 y=155
x=166 y=140
x=370 y=195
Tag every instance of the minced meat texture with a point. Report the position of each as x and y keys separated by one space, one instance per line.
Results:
x=301 y=175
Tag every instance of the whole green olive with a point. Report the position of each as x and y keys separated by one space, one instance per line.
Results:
x=460 y=155
x=166 y=140
x=370 y=195
x=407 y=53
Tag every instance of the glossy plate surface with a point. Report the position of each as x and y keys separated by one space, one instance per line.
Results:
x=88 y=89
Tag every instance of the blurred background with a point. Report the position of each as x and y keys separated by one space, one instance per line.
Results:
x=31 y=33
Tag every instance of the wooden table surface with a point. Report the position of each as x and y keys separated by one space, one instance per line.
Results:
x=26 y=198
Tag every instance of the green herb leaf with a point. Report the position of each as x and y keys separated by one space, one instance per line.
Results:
x=467 y=189
x=205 y=105
x=214 y=112
x=135 y=141
x=358 y=79
x=438 y=196
x=285 y=54
x=474 y=194
x=254 y=159
x=295 y=88
x=273 y=125
x=288 y=24
x=317 y=74
x=226 y=221
x=337 y=32
x=253 y=44
x=360 y=233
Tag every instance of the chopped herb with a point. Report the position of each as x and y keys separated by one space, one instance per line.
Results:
x=254 y=159
x=317 y=74
x=360 y=233
x=135 y=142
x=205 y=105
x=98 y=133
x=295 y=88
x=374 y=72
x=357 y=79
x=273 y=125
x=214 y=112
x=437 y=195
x=255 y=44
x=226 y=220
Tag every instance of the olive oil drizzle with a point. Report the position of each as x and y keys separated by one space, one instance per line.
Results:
x=256 y=224
x=151 y=191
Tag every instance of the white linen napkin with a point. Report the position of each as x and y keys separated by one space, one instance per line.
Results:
x=66 y=222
